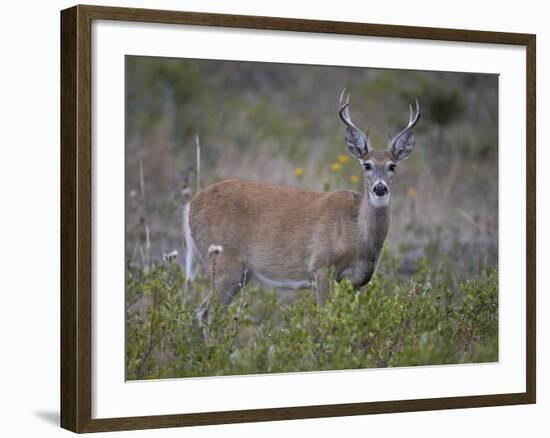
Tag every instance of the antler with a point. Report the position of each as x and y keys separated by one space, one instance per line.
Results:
x=414 y=117
x=357 y=148
x=345 y=114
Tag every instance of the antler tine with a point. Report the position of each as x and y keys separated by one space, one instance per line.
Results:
x=414 y=120
x=341 y=100
x=344 y=109
x=344 y=100
x=414 y=116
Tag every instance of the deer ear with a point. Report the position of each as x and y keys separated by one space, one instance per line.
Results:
x=402 y=145
x=357 y=143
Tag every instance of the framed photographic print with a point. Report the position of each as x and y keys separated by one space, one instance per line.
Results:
x=268 y=218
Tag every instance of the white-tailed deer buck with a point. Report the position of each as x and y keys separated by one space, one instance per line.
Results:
x=289 y=238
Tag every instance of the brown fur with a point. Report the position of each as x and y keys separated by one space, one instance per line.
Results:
x=379 y=156
x=286 y=234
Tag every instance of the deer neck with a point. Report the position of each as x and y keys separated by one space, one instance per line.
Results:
x=374 y=222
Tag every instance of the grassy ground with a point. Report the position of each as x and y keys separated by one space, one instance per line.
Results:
x=433 y=318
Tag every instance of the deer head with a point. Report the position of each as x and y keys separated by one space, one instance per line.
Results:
x=379 y=166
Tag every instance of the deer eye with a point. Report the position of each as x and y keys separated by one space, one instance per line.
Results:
x=392 y=167
x=368 y=166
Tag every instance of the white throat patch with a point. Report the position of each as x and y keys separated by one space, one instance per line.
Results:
x=379 y=201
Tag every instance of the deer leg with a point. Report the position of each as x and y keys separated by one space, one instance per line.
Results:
x=227 y=287
x=321 y=285
x=229 y=277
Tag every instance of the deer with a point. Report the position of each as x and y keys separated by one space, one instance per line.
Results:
x=290 y=238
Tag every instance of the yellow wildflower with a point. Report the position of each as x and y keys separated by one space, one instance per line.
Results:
x=412 y=192
x=344 y=159
x=335 y=167
x=299 y=172
x=354 y=179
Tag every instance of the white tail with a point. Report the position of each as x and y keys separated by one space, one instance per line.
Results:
x=290 y=238
x=190 y=248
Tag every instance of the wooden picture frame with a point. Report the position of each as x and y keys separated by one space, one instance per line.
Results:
x=76 y=218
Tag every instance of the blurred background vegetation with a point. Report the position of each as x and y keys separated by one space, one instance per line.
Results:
x=279 y=123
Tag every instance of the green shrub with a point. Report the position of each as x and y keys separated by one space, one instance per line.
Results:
x=392 y=323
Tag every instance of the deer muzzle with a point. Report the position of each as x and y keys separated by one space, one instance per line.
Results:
x=380 y=189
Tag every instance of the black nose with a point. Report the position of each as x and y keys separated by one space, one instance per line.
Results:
x=380 y=189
